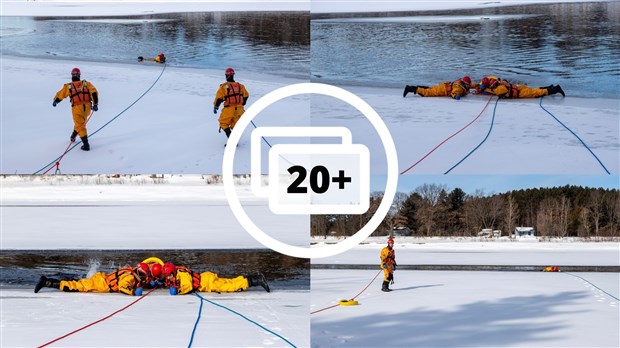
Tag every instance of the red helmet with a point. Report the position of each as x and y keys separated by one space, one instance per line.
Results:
x=230 y=71
x=156 y=270
x=161 y=55
x=75 y=73
x=390 y=240
x=168 y=268
x=485 y=81
x=467 y=80
x=142 y=268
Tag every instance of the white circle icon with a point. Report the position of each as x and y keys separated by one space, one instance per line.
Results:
x=391 y=182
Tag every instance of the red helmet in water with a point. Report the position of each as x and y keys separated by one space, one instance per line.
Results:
x=485 y=81
x=156 y=270
x=75 y=73
x=467 y=80
x=168 y=268
x=230 y=71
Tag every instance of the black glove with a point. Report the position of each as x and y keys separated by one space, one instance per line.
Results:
x=95 y=107
x=215 y=109
x=54 y=103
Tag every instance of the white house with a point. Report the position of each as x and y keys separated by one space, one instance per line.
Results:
x=524 y=232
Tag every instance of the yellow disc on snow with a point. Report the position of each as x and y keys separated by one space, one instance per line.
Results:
x=348 y=303
x=154 y=259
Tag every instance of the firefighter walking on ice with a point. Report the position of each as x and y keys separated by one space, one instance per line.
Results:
x=388 y=264
x=234 y=96
x=84 y=97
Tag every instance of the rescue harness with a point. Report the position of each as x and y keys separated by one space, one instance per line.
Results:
x=79 y=93
x=234 y=96
x=114 y=277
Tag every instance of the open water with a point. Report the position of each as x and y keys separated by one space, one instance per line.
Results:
x=278 y=42
x=575 y=45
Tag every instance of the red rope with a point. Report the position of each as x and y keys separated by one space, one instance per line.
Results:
x=57 y=164
x=98 y=321
x=448 y=138
x=353 y=298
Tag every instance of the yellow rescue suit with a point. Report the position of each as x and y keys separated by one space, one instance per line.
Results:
x=506 y=90
x=124 y=280
x=388 y=260
x=81 y=96
x=444 y=89
x=187 y=280
x=234 y=96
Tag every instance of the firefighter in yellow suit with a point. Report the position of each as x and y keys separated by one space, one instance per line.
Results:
x=507 y=90
x=234 y=96
x=126 y=280
x=181 y=280
x=83 y=96
x=456 y=89
x=388 y=264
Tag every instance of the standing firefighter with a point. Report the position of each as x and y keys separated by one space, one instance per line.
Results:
x=388 y=264
x=234 y=95
x=456 y=89
x=126 y=280
x=182 y=280
x=83 y=95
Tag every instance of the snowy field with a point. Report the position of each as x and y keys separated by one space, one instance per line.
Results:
x=158 y=320
x=466 y=309
x=472 y=251
x=101 y=212
x=155 y=136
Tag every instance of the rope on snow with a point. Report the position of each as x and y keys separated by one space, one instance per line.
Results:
x=448 y=138
x=239 y=314
x=482 y=142
x=576 y=136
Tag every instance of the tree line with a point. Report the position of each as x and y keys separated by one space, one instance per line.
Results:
x=433 y=210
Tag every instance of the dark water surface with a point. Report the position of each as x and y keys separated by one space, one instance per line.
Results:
x=576 y=45
x=278 y=42
x=22 y=268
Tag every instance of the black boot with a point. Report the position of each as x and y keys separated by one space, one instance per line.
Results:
x=258 y=279
x=227 y=131
x=555 y=89
x=74 y=135
x=408 y=89
x=85 y=144
x=385 y=286
x=45 y=282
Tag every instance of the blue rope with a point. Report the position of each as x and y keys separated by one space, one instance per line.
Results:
x=246 y=318
x=265 y=140
x=593 y=285
x=568 y=129
x=114 y=118
x=482 y=142
x=195 y=325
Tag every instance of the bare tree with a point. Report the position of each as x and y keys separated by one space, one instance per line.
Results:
x=511 y=214
x=431 y=194
x=595 y=204
x=584 y=218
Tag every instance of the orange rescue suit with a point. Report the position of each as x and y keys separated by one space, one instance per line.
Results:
x=187 y=281
x=82 y=94
x=504 y=89
x=388 y=260
x=124 y=280
x=234 y=96
x=444 y=89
